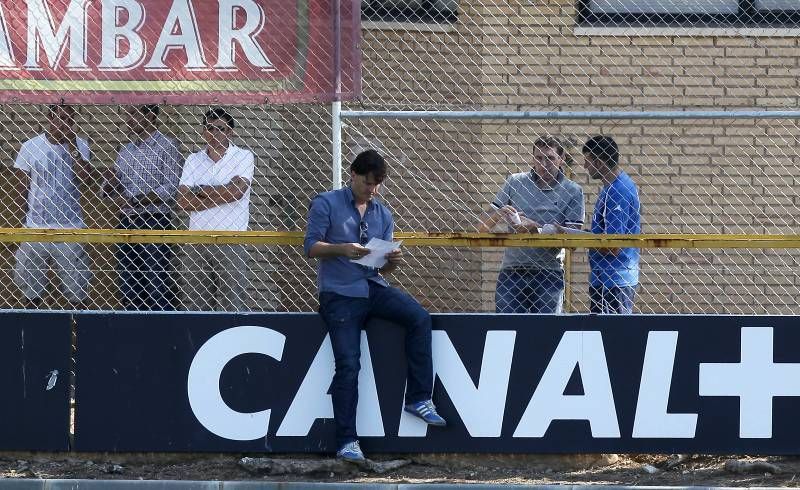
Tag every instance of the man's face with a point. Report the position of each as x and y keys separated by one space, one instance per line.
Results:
x=593 y=165
x=62 y=121
x=547 y=162
x=137 y=122
x=217 y=133
x=365 y=187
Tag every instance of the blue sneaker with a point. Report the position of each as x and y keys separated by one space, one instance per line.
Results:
x=427 y=412
x=351 y=452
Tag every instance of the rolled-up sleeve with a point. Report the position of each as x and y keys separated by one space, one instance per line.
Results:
x=319 y=220
x=188 y=177
x=388 y=229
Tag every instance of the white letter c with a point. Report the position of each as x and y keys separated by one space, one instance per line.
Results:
x=203 y=381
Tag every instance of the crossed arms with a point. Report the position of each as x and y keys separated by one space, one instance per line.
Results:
x=202 y=197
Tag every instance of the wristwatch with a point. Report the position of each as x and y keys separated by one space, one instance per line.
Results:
x=75 y=154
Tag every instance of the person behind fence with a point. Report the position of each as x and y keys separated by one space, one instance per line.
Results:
x=531 y=280
x=144 y=182
x=340 y=224
x=614 y=274
x=215 y=189
x=50 y=168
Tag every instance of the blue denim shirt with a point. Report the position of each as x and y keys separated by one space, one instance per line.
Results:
x=333 y=218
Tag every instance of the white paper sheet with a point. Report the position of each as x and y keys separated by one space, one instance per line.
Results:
x=378 y=250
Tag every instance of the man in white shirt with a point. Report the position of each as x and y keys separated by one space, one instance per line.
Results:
x=215 y=190
x=50 y=168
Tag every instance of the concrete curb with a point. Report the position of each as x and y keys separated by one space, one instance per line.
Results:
x=29 y=484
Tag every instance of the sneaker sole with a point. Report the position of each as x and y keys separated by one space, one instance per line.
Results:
x=350 y=460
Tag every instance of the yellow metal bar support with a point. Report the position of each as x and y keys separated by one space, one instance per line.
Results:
x=450 y=239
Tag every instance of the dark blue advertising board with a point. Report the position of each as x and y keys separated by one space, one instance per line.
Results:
x=35 y=378
x=505 y=383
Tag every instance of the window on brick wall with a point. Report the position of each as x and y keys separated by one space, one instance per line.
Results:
x=427 y=11
x=690 y=13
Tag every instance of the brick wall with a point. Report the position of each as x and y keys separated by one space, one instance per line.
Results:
x=695 y=176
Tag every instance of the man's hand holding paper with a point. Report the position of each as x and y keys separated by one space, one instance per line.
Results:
x=395 y=257
x=354 y=250
x=380 y=252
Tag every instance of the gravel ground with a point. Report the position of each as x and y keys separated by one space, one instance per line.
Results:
x=519 y=469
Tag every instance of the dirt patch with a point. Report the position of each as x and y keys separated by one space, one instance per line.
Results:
x=519 y=469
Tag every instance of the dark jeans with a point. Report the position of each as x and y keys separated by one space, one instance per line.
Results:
x=345 y=317
x=145 y=269
x=529 y=291
x=613 y=300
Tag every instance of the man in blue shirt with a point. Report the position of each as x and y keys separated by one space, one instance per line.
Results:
x=614 y=272
x=340 y=224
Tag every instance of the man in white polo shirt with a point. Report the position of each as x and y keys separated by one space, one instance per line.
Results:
x=215 y=190
x=50 y=168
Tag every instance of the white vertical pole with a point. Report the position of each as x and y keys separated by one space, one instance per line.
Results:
x=336 y=106
x=336 y=138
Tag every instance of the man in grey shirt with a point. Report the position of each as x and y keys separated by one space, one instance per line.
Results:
x=144 y=182
x=532 y=279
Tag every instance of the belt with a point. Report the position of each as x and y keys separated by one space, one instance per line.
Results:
x=132 y=218
x=147 y=214
x=522 y=269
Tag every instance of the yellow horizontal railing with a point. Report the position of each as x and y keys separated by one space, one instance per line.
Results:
x=452 y=239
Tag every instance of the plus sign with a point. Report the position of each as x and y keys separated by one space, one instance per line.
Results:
x=755 y=380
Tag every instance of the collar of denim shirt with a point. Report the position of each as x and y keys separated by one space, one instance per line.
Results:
x=352 y=199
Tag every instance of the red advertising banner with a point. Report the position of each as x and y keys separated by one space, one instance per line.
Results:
x=179 y=51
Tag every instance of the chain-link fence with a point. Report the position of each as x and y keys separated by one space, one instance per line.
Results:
x=40 y=188
x=693 y=175
x=686 y=185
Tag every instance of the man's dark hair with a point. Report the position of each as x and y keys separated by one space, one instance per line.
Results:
x=604 y=148
x=150 y=110
x=550 y=142
x=216 y=113
x=52 y=108
x=370 y=162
